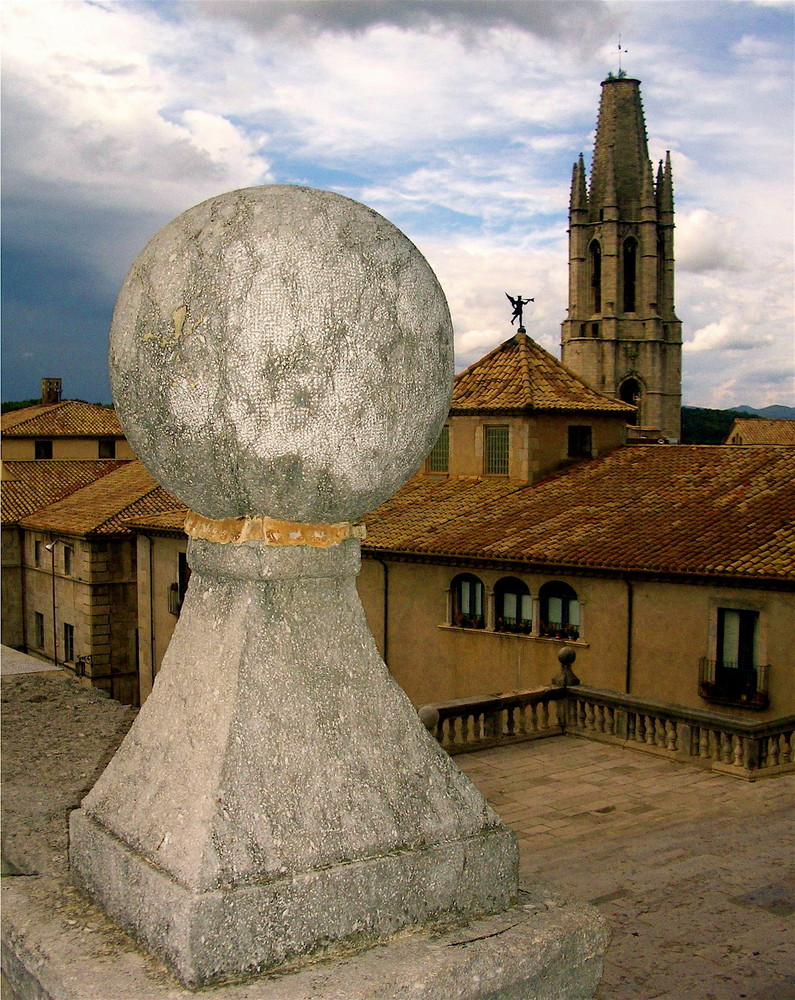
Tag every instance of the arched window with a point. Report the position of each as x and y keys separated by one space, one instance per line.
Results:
x=467 y=593
x=630 y=273
x=596 y=275
x=513 y=609
x=560 y=611
x=631 y=392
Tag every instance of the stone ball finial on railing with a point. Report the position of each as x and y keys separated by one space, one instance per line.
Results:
x=281 y=351
x=429 y=717
x=566 y=677
x=281 y=361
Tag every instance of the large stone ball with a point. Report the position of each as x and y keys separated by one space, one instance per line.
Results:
x=281 y=351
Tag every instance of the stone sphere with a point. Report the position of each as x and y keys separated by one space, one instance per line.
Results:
x=281 y=351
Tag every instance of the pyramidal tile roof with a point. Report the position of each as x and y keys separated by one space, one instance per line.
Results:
x=29 y=486
x=104 y=507
x=70 y=418
x=519 y=376
x=693 y=510
x=753 y=430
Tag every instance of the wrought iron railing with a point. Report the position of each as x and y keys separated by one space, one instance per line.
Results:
x=460 y=620
x=521 y=626
x=734 y=683
x=559 y=630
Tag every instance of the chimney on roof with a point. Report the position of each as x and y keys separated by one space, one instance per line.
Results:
x=50 y=391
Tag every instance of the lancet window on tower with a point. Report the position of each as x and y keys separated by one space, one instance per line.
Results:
x=630 y=273
x=596 y=275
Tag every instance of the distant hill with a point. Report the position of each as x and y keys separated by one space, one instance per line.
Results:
x=704 y=426
x=770 y=412
x=19 y=404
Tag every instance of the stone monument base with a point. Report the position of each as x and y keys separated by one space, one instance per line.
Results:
x=203 y=937
x=59 y=946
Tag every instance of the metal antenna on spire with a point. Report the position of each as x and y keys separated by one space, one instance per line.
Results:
x=621 y=72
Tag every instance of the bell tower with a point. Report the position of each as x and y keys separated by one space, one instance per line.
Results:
x=622 y=334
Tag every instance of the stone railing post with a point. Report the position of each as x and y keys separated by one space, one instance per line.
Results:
x=281 y=361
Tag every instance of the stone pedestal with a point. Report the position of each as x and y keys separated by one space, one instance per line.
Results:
x=277 y=792
x=281 y=360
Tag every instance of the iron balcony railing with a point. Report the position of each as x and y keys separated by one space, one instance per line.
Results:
x=725 y=683
x=523 y=626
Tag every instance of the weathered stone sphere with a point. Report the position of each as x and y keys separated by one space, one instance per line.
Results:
x=281 y=351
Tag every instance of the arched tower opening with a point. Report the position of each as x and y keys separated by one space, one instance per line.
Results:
x=631 y=391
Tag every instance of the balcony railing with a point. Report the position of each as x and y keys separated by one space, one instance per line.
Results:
x=734 y=684
x=559 y=630
x=460 y=620
x=521 y=626
x=707 y=739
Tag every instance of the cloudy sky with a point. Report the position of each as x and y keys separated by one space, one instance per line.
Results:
x=458 y=120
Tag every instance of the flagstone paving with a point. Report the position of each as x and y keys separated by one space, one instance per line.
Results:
x=693 y=870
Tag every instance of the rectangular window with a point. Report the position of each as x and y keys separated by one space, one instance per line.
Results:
x=38 y=628
x=579 y=441
x=106 y=448
x=439 y=457
x=42 y=449
x=68 y=642
x=737 y=638
x=37 y=547
x=496 y=440
x=68 y=554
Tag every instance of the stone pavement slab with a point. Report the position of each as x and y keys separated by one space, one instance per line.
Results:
x=692 y=869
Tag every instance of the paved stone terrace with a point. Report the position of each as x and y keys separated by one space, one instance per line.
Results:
x=693 y=870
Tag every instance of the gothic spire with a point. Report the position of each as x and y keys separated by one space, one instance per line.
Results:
x=620 y=136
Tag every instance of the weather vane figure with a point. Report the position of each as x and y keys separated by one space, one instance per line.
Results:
x=518 y=304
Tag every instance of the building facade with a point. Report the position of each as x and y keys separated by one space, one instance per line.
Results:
x=63 y=430
x=621 y=333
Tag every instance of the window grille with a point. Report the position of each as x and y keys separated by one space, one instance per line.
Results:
x=496 y=440
x=439 y=457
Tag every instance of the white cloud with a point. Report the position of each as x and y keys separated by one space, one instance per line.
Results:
x=460 y=125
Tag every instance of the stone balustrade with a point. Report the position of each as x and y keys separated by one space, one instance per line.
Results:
x=734 y=746
x=477 y=723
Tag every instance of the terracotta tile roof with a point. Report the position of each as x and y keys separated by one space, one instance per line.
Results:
x=761 y=431
x=29 y=486
x=169 y=520
x=71 y=418
x=520 y=376
x=104 y=507
x=696 y=510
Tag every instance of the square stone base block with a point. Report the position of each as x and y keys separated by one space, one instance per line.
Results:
x=58 y=946
x=227 y=933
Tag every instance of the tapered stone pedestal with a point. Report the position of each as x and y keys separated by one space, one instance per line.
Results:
x=281 y=360
x=277 y=792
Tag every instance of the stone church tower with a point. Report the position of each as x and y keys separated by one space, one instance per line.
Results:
x=622 y=334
